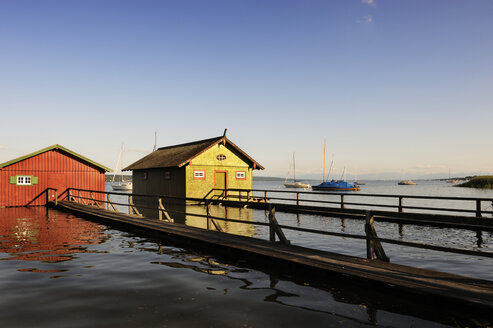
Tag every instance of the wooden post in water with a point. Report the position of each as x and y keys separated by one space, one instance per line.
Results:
x=272 y=234
x=370 y=251
x=478 y=208
x=265 y=197
x=400 y=204
x=342 y=202
x=274 y=228
x=373 y=246
x=298 y=199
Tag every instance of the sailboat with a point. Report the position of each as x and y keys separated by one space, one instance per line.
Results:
x=295 y=184
x=356 y=182
x=450 y=180
x=404 y=182
x=120 y=185
x=334 y=185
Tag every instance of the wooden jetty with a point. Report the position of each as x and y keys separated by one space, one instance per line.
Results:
x=460 y=289
x=336 y=204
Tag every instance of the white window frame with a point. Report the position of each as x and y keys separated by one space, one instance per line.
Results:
x=240 y=175
x=24 y=180
x=221 y=157
x=199 y=174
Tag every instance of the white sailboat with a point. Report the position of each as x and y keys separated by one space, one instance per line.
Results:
x=295 y=184
x=120 y=185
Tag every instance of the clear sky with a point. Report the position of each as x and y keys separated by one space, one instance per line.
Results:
x=397 y=88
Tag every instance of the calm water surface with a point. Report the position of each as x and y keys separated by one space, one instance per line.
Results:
x=58 y=270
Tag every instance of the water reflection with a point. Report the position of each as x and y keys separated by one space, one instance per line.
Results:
x=124 y=280
x=195 y=215
x=362 y=304
x=47 y=236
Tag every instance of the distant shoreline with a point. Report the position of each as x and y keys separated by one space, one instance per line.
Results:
x=481 y=182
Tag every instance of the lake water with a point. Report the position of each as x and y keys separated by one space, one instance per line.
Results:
x=59 y=270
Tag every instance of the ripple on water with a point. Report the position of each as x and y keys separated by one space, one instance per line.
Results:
x=104 y=277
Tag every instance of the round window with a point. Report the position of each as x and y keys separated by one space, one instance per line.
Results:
x=221 y=157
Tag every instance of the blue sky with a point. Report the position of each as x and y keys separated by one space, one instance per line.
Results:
x=397 y=88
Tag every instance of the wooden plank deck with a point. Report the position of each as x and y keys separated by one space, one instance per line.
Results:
x=421 y=281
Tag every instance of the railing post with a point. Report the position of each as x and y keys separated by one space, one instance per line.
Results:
x=111 y=204
x=298 y=199
x=48 y=195
x=208 y=214
x=370 y=248
x=56 y=197
x=94 y=203
x=162 y=210
x=81 y=198
x=130 y=203
x=478 y=208
x=272 y=233
x=400 y=204
x=265 y=196
x=342 y=202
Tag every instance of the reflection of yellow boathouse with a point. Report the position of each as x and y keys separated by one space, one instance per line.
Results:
x=244 y=214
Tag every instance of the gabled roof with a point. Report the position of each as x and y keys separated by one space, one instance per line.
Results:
x=68 y=151
x=181 y=155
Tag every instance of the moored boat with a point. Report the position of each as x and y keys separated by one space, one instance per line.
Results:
x=406 y=182
x=121 y=185
x=336 y=185
x=295 y=184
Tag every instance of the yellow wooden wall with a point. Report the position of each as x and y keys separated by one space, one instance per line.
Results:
x=208 y=163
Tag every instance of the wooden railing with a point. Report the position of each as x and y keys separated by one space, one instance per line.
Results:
x=340 y=200
x=276 y=230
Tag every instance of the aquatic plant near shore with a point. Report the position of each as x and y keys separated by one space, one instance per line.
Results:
x=483 y=182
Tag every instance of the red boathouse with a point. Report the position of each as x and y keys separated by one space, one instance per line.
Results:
x=24 y=180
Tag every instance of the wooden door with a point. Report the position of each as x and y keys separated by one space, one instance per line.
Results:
x=220 y=182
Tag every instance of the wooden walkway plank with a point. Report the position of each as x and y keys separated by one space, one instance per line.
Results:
x=423 y=281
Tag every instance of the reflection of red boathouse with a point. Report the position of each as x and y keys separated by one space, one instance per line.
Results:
x=39 y=234
x=24 y=180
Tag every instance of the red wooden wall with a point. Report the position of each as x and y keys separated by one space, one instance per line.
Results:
x=54 y=169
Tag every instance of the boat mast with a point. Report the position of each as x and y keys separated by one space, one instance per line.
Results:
x=323 y=177
x=155 y=142
x=294 y=170
x=121 y=163
x=343 y=172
